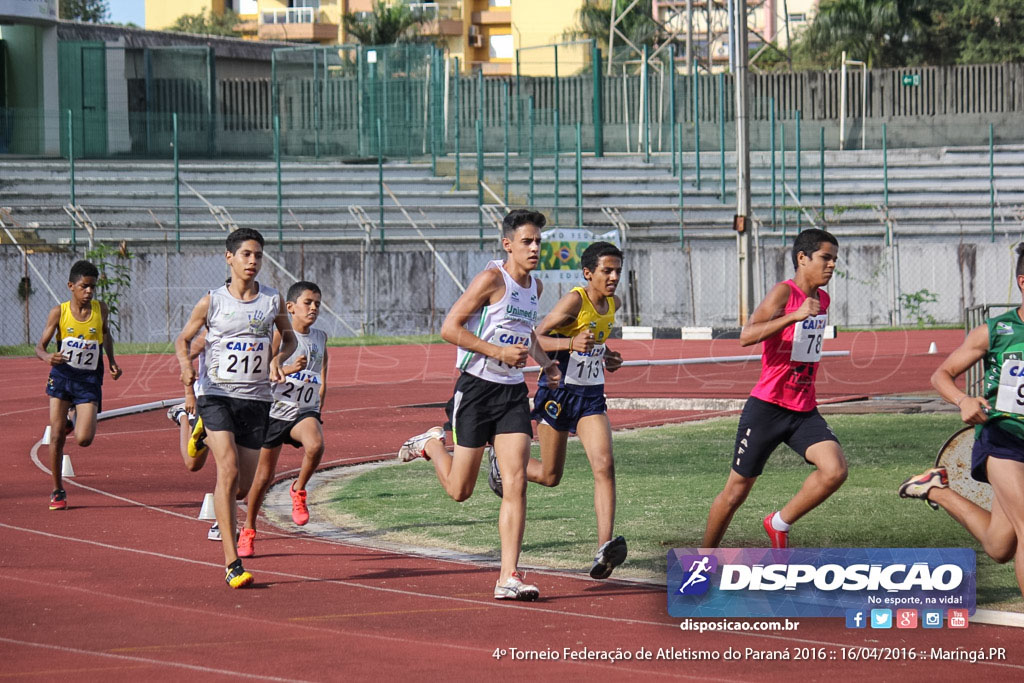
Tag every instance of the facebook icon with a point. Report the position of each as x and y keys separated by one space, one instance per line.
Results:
x=856 y=618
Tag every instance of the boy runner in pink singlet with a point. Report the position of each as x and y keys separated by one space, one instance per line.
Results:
x=782 y=407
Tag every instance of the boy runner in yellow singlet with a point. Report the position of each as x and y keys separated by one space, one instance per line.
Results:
x=82 y=325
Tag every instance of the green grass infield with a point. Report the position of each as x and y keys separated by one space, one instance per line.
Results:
x=666 y=479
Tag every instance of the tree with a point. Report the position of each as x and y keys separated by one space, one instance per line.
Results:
x=981 y=31
x=212 y=24
x=94 y=11
x=877 y=32
x=386 y=24
x=593 y=21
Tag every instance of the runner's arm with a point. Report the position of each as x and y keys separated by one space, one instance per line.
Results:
x=323 y=382
x=564 y=312
x=769 y=317
x=480 y=293
x=288 y=341
x=108 y=342
x=974 y=348
x=52 y=321
x=183 y=341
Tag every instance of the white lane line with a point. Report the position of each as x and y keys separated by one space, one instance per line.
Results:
x=143 y=660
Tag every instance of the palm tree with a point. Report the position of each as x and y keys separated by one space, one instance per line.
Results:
x=593 y=20
x=877 y=32
x=386 y=24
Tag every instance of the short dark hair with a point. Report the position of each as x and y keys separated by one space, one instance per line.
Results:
x=592 y=255
x=299 y=287
x=809 y=241
x=520 y=217
x=236 y=238
x=1020 y=259
x=82 y=269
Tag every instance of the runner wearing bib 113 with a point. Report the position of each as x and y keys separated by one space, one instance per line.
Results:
x=577 y=331
x=782 y=407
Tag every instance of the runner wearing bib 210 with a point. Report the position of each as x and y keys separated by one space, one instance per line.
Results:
x=782 y=407
x=295 y=416
x=576 y=331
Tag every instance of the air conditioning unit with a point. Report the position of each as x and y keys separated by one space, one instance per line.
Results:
x=476 y=40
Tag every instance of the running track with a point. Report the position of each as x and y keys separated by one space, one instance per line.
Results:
x=124 y=586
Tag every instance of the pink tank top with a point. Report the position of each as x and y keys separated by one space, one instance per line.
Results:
x=788 y=369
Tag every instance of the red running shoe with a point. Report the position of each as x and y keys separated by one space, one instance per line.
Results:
x=779 y=539
x=246 y=540
x=300 y=513
x=59 y=500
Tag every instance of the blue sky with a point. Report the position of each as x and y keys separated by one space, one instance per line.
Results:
x=123 y=11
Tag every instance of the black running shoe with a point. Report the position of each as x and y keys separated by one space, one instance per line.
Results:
x=609 y=556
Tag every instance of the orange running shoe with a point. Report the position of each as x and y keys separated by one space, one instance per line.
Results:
x=300 y=513
x=245 y=543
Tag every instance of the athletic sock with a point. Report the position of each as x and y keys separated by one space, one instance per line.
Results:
x=778 y=524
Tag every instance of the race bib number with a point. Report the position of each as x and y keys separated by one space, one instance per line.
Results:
x=503 y=337
x=1010 y=398
x=299 y=392
x=807 y=338
x=586 y=369
x=244 y=359
x=81 y=354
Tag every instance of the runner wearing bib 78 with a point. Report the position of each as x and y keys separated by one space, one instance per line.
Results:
x=782 y=407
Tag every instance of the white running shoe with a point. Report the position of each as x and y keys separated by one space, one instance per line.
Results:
x=416 y=446
x=174 y=413
x=214 y=533
x=515 y=589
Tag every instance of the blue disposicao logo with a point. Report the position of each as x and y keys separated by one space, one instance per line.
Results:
x=698 y=570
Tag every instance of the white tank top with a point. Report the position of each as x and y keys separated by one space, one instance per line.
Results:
x=235 y=361
x=300 y=393
x=506 y=322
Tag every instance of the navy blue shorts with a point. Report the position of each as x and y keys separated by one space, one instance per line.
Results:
x=74 y=392
x=245 y=418
x=279 y=432
x=562 y=409
x=764 y=426
x=993 y=442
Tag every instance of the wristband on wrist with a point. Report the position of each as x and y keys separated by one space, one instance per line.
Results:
x=961 y=400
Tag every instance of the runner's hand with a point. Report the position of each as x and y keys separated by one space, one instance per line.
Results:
x=612 y=360
x=553 y=374
x=513 y=355
x=809 y=307
x=57 y=358
x=188 y=375
x=276 y=375
x=583 y=342
x=974 y=410
x=115 y=371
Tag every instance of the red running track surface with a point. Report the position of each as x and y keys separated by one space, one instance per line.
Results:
x=124 y=585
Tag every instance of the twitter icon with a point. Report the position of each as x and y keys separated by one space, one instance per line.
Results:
x=881 y=618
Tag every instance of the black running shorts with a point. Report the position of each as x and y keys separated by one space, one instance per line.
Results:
x=279 y=432
x=480 y=409
x=245 y=418
x=763 y=426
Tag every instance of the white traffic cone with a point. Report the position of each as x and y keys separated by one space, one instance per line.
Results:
x=66 y=470
x=206 y=511
x=933 y=349
x=46 y=436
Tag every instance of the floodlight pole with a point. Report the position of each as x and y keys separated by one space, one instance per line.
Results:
x=741 y=222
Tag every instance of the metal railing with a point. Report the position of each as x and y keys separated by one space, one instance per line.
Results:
x=293 y=15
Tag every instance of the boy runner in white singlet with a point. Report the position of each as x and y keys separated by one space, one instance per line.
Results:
x=492 y=324
x=236 y=369
x=295 y=415
x=577 y=331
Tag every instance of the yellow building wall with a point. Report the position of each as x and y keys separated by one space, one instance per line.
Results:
x=543 y=22
x=162 y=13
